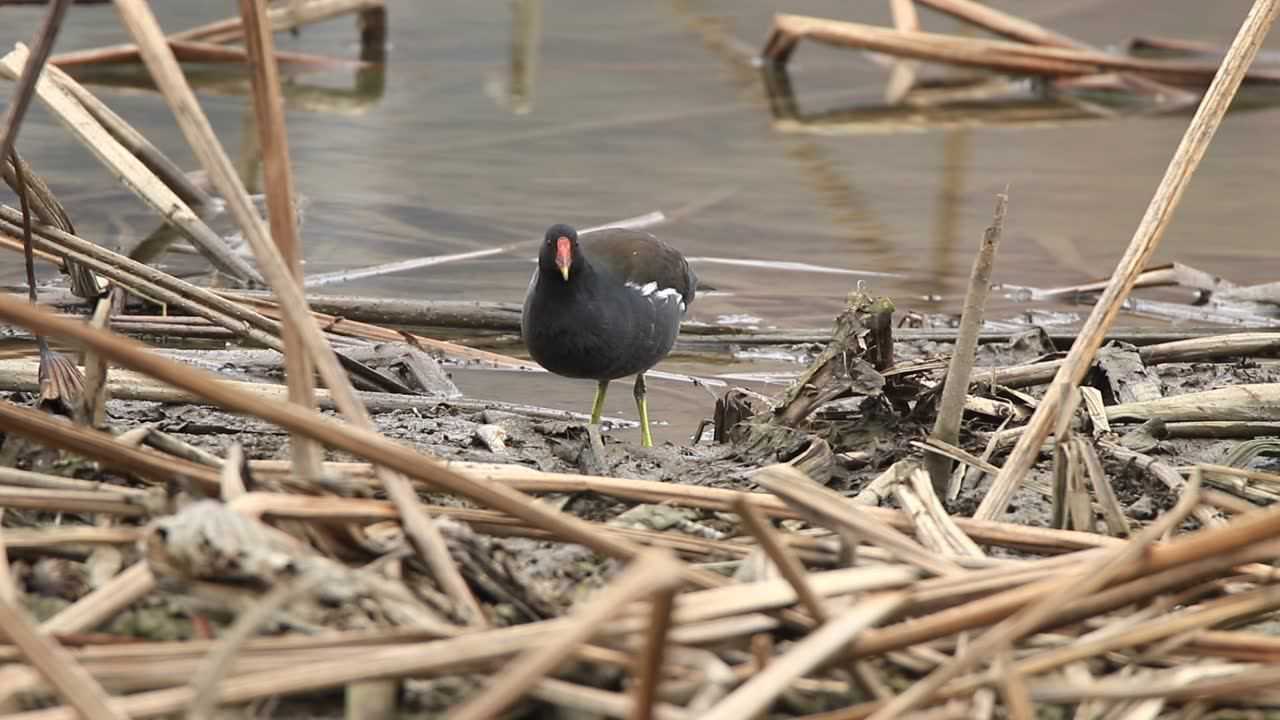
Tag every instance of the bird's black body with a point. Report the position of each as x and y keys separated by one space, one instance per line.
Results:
x=616 y=314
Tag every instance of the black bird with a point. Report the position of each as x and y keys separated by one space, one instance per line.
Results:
x=605 y=307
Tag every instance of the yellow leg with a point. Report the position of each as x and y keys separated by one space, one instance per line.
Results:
x=646 y=439
x=597 y=406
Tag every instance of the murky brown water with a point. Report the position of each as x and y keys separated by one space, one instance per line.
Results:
x=634 y=107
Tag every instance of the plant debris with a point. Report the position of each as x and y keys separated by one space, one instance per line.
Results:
x=1087 y=534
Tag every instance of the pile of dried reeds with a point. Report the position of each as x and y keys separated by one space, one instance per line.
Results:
x=841 y=610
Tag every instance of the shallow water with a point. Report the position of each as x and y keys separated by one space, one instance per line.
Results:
x=634 y=107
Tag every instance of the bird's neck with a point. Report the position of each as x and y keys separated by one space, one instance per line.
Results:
x=583 y=279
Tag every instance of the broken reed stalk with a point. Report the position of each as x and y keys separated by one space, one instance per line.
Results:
x=215 y=666
x=916 y=496
x=133 y=141
x=1022 y=537
x=649 y=665
x=787 y=563
x=420 y=658
x=1060 y=592
x=47 y=387
x=8 y=590
x=436 y=657
x=13 y=477
x=92 y=407
x=830 y=508
x=652 y=571
x=902 y=76
x=342 y=325
x=157 y=467
x=158 y=57
x=758 y=693
x=76 y=686
x=268 y=107
x=951 y=407
x=102 y=603
x=23 y=376
x=1014 y=28
x=1145 y=241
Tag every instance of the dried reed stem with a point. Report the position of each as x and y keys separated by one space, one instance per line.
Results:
x=782 y=557
x=951 y=407
x=1145 y=241
x=268 y=108
x=649 y=669
x=135 y=175
x=22 y=93
x=78 y=687
x=168 y=76
x=1062 y=592
x=652 y=571
x=811 y=498
x=759 y=692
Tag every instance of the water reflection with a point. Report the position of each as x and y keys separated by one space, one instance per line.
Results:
x=364 y=88
x=954 y=103
x=526 y=40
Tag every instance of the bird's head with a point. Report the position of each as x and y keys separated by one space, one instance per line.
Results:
x=559 y=250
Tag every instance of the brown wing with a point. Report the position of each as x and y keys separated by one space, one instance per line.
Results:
x=639 y=257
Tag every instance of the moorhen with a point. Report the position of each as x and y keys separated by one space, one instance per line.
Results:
x=605 y=307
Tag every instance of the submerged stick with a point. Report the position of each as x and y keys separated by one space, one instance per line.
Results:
x=1145 y=241
x=950 y=409
x=340 y=276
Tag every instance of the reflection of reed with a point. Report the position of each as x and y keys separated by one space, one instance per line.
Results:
x=955 y=160
x=249 y=159
x=850 y=211
x=365 y=91
x=373 y=34
x=526 y=38
x=515 y=92
x=959 y=103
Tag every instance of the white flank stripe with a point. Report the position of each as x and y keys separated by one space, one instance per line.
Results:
x=651 y=291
